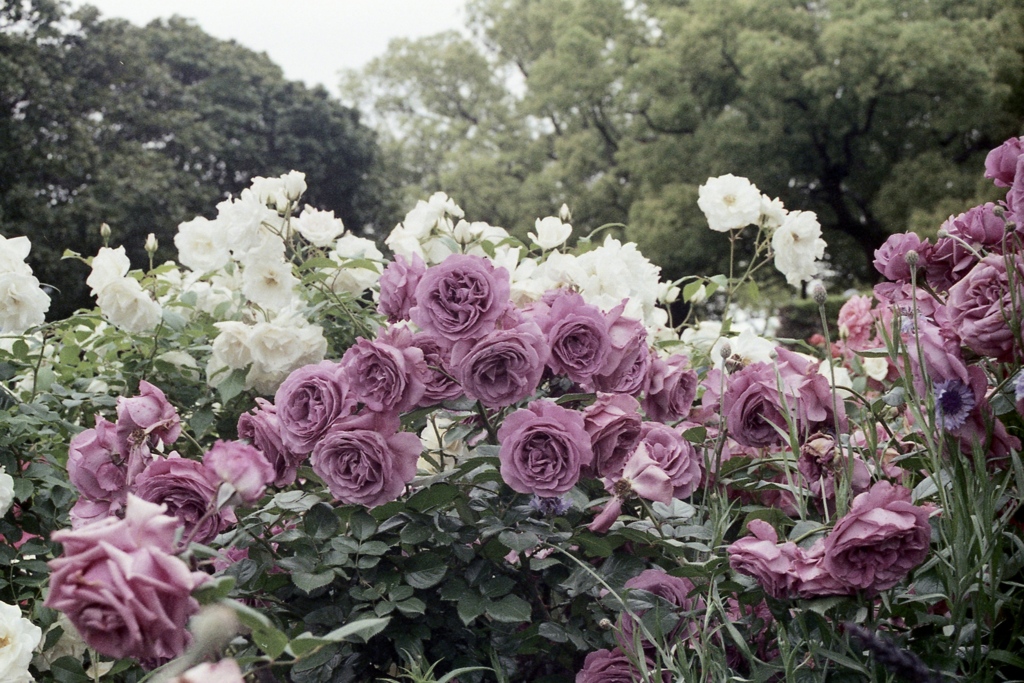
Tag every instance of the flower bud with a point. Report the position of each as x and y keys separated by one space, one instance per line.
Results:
x=912 y=257
x=564 y=213
x=105 y=231
x=151 y=244
x=819 y=293
x=725 y=351
x=294 y=186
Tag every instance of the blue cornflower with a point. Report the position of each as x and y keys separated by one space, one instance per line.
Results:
x=550 y=507
x=954 y=401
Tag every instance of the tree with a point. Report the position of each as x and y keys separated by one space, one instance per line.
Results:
x=875 y=114
x=143 y=128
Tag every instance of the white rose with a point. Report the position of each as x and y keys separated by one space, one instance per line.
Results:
x=843 y=381
x=403 y=242
x=773 y=213
x=202 y=245
x=702 y=337
x=798 y=247
x=231 y=346
x=269 y=284
x=875 y=367
x=294 y=183
x=13 y=252
x=319 y=227
x=355 y=279
x=108 y=265
x=242 y=220
x=729 y=202
x=277 y=349
x=6 y=491
x=551 y=232
x=268 y=190
x=23 y=303
x=128 y=306
x=748 y=347
x=18 y=638
x=268 y=247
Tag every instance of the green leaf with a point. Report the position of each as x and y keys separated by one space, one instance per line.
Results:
x=270 y=640
x=23 y=489
x=320 y=522
x=358 y=631
x=362 y=525
x=433 y=496
x=69 y=670
x=695 y=434
x=470 y=606
x=413 y=607
x=519 y=541
x=232 y=386
x=425 y=571
x=511 y=609
x=214 y=590
x=310 y=582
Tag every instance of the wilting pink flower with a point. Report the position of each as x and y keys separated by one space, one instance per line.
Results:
x=121 y=586
x=671 y=388
x=309 y=402
x=985 y=307
x=819 y=465
x=461 y=298
x=142 y=422
x=675 y=455
x=613 y=423
x=398 y=287
x=189 y=490
x=262 y=429
x=242 y=466
x=543 y=447
x=502 y=367
x=365 y=460
x=1001 y=162
x=761 y=556
x=879 y=540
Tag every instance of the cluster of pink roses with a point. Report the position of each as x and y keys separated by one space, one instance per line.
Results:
x=470 y=340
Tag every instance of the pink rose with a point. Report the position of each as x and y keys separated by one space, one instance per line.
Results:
x=879 y=540
x=365 y=460
x=947 y=263
x=390 y=372
x=626 y=366
x=671 y=388
x=675 y=455
x=439 y=382
x=614 y=666
x=121 y=586
x=461 y=298
x=613 y=423
x=95 y=466
x=142 y=421
x=309 y=402
x=543 y=447
x=857 y=322
x=577 y=333
x=1001 y=162
x=761 y=556
x=503 y=367
x=189 y=490
x=398 y=286
x=224 y=671
x=985 y=310
x=978 y=226
x=673 y=589
x=818 y=465
x=891 y=257
x=242 y=466
x=262 y=428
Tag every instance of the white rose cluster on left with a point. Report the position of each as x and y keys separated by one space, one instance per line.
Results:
x=23 y=303
x=18 y=638
x=121 y=297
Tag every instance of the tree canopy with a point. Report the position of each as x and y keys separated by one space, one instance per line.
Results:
x=876 y=114
x=144 y=127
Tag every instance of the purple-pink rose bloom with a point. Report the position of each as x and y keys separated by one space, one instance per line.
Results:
x=985 y=307
x=387 y=376
x=543 y=447
x=613 y=423
x=95 y=466
x=461 y=298
x=439 y=383
x=880 y=539
x=1001 y=162
x=577 y=333
x=309 y=402
x=676 y=590
x=891 y=257
x=675 y=455
x=671 y=388
x=625 y=368
x=760 y=555
x=365 y=460
x=142 y=421
x=242 y=466
x=262 y=429
x=398 y=287
x=121 y=586
x=613 y=666
x=502 y=367
x=752 y=408
x=978 y=225
x=189 y=490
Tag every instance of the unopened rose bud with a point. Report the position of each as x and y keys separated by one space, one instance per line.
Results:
x=151 y=244
x=912 y=257
x=942 y=233
x=998 y=211
x=773 y=354
x=819 y=293
x=105 y=231
x=564 y=213
x=605 y=624
x=725 y=351
x=294 y=185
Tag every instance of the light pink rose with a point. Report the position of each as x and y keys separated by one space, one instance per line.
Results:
x=189 y=490
x=613 y=423
x=857 y=322
x=880 y=539
x=242 y=466
x=671 y=388
x=262 y=428
x=675 y=455
x=122 y=588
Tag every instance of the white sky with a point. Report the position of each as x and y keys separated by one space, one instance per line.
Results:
x=312 y=40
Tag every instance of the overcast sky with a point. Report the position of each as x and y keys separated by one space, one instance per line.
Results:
x=312 y=40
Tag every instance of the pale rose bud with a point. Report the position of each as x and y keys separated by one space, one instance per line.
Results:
x=912 y=257
x=564 y=213
x=700 y=296
x=819 y=293
x=105 y=231
x=151 y=244
x=294 y=185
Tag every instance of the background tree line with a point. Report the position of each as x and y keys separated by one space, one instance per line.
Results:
x=142 y=128
x=876 y=114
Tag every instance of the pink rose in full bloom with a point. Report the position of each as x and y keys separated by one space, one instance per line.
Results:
x=242 y=466
x=309 y=402
x=262 y=428
x=629 y=357
x=985 y=310
x=761 y=556
x=880 y=539
x=365 y=460
x=671 y=388
x=502 y=367
x=614 y=666
x=978 y=226
x=675 y=455
x=121 y=586
x=389 y=373
x=613 y=423
x=461 y=298
x=947 y=264
x=577 y=333
x=891 y=257
x=439 y=383
x=95 y=466
x=224 y=671
x=1001 y=162
x=398 y=286
x=543 y=447
x=189 y=490
x=857 y=322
